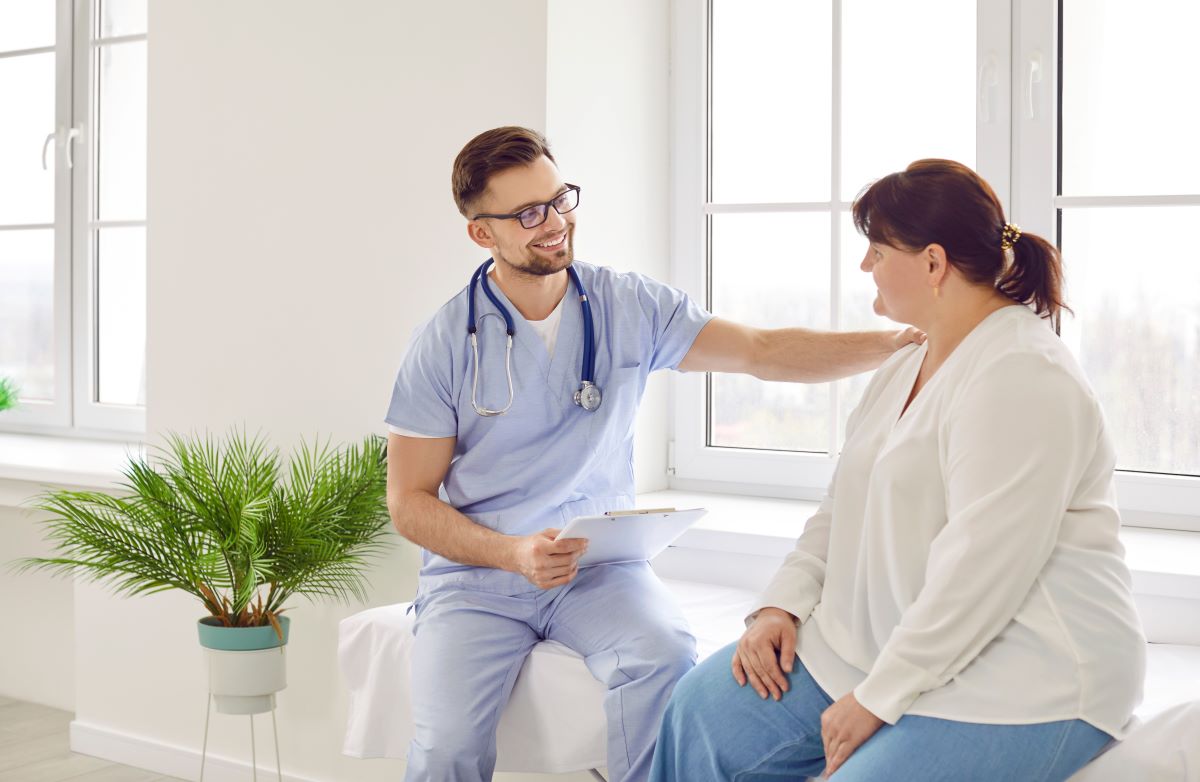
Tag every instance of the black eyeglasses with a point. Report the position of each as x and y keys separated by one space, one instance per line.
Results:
x=533 y=216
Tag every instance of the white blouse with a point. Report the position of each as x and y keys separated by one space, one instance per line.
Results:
x=965 y=562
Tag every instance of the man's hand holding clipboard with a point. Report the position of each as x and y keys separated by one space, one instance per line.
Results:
x=629 y=535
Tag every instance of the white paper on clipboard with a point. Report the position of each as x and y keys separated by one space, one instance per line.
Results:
x=630 y=537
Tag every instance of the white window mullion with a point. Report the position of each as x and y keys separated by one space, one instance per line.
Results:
x=993 y=130
x=689 y=164
x=1034 y=102
x=89 y=413
x=835 y=214
x=83 y=313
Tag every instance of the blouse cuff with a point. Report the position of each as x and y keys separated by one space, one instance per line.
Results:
x=786 y=594
x=891 y=687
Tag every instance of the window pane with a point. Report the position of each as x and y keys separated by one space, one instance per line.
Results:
x=858 y=314
x=1129 y=76
x=27 y=311
x=121 y=169
x=26 y=24
x=771 y=87
x=121 y=310
x=908 y=86
x=122 y=17
x=770 y=270
x=27 y=112
x=1133 y=279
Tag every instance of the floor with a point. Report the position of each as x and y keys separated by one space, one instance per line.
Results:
x=34 y=747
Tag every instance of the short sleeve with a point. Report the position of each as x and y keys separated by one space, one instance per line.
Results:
x=674 y=320
x=422 y=398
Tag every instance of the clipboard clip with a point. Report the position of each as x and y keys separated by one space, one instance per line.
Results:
x=638 y=512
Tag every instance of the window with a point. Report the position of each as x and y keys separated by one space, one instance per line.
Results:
x=73 y=214
x=784 y=111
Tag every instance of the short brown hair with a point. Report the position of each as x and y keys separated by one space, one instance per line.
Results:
x=489 y=153
x=944 y=202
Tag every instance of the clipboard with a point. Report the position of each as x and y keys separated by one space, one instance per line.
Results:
x=631 y=535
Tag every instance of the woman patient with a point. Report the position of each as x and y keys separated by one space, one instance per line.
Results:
x=959 y=607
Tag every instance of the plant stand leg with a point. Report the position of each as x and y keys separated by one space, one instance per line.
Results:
x=204 y=746
x=275 y=730
x=253 y=755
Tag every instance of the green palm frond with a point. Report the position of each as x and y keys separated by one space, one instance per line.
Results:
x=8 y=394
x=216 y=520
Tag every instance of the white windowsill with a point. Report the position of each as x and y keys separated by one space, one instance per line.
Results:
x=1163 y=562
x=30 y=463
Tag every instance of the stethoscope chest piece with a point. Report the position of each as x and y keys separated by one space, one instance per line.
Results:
x=589 y=397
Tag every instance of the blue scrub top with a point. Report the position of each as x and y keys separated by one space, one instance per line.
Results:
x=546 y=460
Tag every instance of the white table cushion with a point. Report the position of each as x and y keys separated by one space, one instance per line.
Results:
x=554 y=721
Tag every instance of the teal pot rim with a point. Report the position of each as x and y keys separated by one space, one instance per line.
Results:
x=214 y=635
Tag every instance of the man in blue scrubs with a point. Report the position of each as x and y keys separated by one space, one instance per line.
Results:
x=484 y=494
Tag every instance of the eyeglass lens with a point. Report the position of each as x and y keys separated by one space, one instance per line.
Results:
x=536 y=215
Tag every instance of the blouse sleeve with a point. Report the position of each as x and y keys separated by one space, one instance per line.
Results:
x=1015 y=446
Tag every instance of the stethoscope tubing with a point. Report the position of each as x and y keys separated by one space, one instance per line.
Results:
x=589 y=334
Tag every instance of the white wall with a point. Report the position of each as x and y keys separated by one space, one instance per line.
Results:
x=607 y=120
x=301 y=225
x=37 y=655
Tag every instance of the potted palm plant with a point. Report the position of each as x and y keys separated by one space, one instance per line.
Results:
x=218 y=521
x=8 y=394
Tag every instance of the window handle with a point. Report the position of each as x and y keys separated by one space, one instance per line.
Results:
x=72 y=134
x=45 y=146
x=1035 y=78
x=986 y=89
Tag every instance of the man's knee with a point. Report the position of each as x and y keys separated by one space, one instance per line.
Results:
x=667 y=651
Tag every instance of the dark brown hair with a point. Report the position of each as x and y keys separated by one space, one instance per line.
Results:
x=489 y=153
x=944 y=202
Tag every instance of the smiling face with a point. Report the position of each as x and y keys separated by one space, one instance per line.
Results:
x=903 y=280
x=541 y=251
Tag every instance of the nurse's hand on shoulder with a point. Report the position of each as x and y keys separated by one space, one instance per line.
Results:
x=547 y=563
x=844 y=727
x=764 y=655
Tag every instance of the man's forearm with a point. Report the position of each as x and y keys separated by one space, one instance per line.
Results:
x=806 y=356
x=436 y=526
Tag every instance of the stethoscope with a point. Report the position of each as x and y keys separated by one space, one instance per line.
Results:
x=588 y=396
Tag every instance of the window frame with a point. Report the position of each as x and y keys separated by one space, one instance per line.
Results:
x=75 y=410
x=1016 y=152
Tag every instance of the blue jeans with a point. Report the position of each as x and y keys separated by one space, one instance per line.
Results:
x=714 y=730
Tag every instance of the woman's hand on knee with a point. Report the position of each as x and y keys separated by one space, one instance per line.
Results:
x=844 y=727
x=764 y=654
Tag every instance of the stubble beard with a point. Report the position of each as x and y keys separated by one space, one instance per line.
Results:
x=535 y=264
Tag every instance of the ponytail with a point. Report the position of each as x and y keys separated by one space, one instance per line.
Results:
x=1032 y=274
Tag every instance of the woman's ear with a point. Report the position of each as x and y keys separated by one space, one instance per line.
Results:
x=936 y=263
x=481 y=234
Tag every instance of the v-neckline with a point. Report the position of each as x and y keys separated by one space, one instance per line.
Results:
x=552 y=367
x=905 y=405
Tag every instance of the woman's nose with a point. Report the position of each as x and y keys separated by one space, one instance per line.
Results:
x=866 y=262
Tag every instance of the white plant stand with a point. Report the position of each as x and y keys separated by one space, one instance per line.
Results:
x=245 y=683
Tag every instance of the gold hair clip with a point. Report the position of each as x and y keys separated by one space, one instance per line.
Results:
x=1009 y=236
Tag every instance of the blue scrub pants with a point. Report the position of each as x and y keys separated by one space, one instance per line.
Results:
x=714 y=730
x=469 y=646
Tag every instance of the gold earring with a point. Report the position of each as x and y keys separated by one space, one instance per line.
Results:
x=937 y=291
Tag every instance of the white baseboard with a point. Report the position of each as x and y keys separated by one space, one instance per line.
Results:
x=169 y=759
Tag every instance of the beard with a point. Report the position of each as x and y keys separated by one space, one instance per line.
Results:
x=526 y=260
